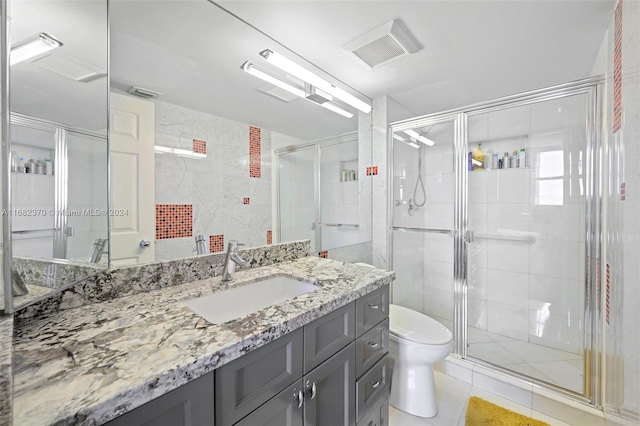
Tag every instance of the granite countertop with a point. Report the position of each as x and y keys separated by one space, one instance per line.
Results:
x=91 y=364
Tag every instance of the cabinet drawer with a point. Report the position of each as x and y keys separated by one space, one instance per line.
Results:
x=285 y=409
x=378 y=414
x=372 y=385
x=251 y=380
x=327 y=335
x=372 y=346
x=371 y=309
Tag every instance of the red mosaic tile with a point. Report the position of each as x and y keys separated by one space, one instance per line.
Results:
x=174 y=221
x=374 y=171
x=245 y=200
x=324 y=254
x=199 y=147
x=255 y=166
x=269 y=237
x=617 y=69
x=216 y=243
x=368 y=171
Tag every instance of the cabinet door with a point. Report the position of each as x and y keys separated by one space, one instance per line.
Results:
x=330 y=391
x=378 y=414
x=251 y=380
x=327 y=335
x=285 y=409
x=189 y=405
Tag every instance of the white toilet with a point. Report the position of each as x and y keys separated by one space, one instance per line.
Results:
x=416 y=342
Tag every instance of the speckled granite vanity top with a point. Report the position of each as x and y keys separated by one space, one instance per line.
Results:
x=91 y=364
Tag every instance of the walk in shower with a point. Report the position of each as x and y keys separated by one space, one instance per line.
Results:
x=499 y=251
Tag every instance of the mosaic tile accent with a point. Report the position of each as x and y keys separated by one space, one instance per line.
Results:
x=324 y=254
x=617 y=69
x=255 y=169
x=368 y=171
x=199 y=146
x=245 y=200
x=372 y=171
x=269 y=237
x=216 y=243
x=174 y=221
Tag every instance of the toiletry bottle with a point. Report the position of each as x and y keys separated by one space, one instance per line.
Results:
x=522 y=158
x=495 y=161
x=15 y=161
x=514 y=159
x=470 y=161
x=45 y=167
x=40 y=167
x=31 y=166
x=22 y=166
x=488 y=156
x=478 y=155
x=506 y=161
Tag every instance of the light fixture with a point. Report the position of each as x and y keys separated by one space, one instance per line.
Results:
x=408 y=142
x=177 y=151
x=419 y=137
x=303 y=74
x=263 y=75
x=33 y=47
x=311 y=94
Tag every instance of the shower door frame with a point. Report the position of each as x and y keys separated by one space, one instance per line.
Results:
x=593 y=313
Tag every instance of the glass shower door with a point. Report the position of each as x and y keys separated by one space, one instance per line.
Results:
x=297 y=195
x=526 y=255
x=423 y=218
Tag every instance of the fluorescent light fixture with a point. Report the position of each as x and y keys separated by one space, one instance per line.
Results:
x=257 y=72
x=303 y=74
x=336 y=109
x=408 y=142
x=263 y=75
x=177 y=151
x=33 y=47
x=419 y=137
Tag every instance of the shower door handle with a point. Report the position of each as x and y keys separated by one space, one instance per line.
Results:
x=469 y=237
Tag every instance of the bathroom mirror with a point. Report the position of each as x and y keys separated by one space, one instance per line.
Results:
x=214 y=130
x=58 y=140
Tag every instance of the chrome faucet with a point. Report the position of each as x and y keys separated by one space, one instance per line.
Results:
x=201 y=245
x=231 y=259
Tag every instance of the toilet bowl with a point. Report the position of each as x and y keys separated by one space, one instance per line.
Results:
x=415 y=342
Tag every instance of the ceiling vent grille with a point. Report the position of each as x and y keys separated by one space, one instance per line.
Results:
x=390 y=41
x=144 y=93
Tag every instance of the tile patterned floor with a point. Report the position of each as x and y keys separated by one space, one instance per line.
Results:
x=453 y=395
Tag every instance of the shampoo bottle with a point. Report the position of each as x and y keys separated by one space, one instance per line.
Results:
x=522 y=159
x=488 y=158
x=478 y=155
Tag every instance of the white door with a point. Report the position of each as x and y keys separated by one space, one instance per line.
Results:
x=132 y=180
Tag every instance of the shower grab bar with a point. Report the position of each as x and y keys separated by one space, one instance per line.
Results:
x=35 y=231
x=340 y=225
x=529 y=239
x=426 y=230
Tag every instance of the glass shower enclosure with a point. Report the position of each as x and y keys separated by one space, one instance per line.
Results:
x=494 y=222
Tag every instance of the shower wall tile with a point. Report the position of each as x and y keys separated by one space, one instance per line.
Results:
x=508 y=122
x=560 y=223
x=477 y=283
x=558 y=259
x=478 y=189
x=554 y=331
x=512 y=256
x=508 y=186
x=438 y=304
x=557 y=296
x=508 y=288
x=438 y=276
x=477 y=218
x=477 y=313
x=508 y=219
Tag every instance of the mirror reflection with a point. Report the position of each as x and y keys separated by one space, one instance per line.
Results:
x=207 y=138
x=59 y=86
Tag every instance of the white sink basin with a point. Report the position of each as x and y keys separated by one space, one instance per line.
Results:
x=237 y=302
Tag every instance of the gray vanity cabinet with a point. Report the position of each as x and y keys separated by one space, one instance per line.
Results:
x=285 y=409
x=330 y=391
x=189 y=405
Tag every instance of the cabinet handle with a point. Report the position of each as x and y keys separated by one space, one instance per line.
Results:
x=299 y=397
x=372 y=306
x=372 y=344
x=311 y=387
x=375 y=384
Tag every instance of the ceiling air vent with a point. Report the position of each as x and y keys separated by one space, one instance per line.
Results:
x=390 y=41
x=144 y=93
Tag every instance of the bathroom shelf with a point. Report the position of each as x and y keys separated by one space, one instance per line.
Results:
x=31 y=174
x=499 y=170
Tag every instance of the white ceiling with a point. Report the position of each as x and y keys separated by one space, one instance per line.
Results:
x=191 y=51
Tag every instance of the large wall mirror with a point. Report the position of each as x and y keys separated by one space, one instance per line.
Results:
x=199 y=148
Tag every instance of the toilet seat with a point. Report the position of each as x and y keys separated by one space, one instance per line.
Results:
x=413 y=327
